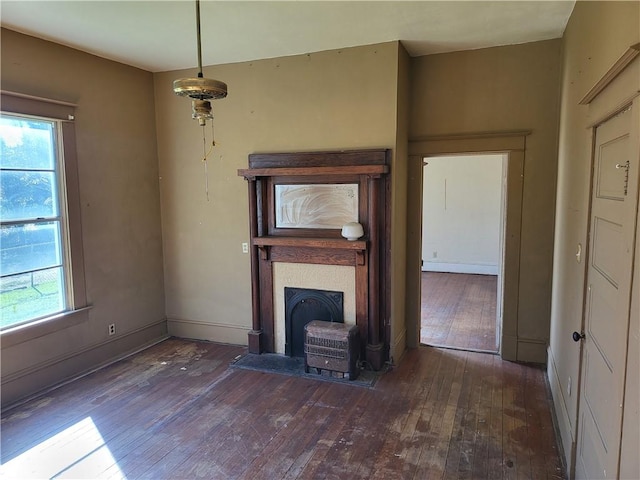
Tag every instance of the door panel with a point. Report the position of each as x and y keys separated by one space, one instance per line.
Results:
x=610 y=180
x=592 y=452
x=606 y=249
x=603 y=337
x=599 y=400
x=608 y=294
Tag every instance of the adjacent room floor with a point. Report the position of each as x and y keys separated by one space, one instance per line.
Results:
x=177 y=410
x=459 y=311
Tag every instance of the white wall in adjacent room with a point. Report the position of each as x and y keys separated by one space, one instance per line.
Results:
x=461 y=224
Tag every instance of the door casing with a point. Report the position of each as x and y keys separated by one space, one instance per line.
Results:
x=513 y=144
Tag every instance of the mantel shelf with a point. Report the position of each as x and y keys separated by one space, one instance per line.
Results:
x=334 y=243
x=373 y=170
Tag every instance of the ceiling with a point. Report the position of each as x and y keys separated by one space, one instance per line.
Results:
x=161 y=35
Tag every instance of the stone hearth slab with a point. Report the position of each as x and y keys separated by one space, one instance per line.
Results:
x=284 y=365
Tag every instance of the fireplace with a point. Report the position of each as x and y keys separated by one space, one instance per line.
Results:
x=334 y=278
x=284 y=232
x=303 y=305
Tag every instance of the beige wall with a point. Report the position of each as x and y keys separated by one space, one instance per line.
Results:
x=119 y=196
x=598 y=33
x=498 y=90
x=398 y=234
x=340 y=99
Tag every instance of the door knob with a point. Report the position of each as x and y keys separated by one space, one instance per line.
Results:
x=577 y=336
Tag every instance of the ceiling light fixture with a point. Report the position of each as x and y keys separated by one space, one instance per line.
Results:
x=200 y=89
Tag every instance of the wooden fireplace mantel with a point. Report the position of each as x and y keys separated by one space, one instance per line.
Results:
x=325 y=251
x=336 y=243
x=369 y=170
x=252 y=173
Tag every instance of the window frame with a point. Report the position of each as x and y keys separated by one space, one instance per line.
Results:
x=63 y=113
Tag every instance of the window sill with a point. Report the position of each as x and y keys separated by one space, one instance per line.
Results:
x=42 y=327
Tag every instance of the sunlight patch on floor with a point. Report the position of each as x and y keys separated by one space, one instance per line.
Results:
x=77 y=452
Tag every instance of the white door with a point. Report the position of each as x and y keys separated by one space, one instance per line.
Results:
x=612 y=229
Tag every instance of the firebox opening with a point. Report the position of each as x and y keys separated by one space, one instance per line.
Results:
x=303 y=305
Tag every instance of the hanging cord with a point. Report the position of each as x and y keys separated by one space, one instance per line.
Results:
x=205 y=155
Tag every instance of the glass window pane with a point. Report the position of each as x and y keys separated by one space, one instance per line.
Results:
x=31 y=246
x=26 y=143
x=29 y=296
x=27 y=194
x=32 y=276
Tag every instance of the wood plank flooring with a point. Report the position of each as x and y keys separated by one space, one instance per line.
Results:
x=177 y=411
x=459 y=311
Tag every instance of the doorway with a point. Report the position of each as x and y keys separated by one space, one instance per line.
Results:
x=463 y=224
x=513 y=146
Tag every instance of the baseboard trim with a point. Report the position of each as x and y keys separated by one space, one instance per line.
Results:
x=85 y=373
x=473 y=269
x=523 y=349
x=210 y=331
x=63 y=358
x=398 y=348
x=556 y=425
x=563 y=420
x=532 y=350
x=461 y=349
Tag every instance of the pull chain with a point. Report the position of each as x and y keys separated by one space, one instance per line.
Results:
x=205 y=154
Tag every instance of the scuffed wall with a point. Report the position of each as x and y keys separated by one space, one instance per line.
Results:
x=336 y=100
x=597 y=34
x=119 y=200
x=504 y=89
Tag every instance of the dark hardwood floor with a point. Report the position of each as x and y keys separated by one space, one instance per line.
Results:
x=177 y=411
x=459 y=311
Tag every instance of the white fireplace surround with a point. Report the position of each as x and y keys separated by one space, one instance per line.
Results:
x=336 y=278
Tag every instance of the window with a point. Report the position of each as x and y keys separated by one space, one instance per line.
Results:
x=32 y=283
x=37 y=233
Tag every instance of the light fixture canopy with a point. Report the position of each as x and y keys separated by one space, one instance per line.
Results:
x=200 y=89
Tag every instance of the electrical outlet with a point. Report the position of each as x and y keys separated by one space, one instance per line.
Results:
x=569 y=387
x=435 y=255
x=245 y=247
x=112 y=329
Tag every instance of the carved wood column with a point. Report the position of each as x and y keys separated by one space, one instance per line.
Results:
x=255 y=335
x=374 y=348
